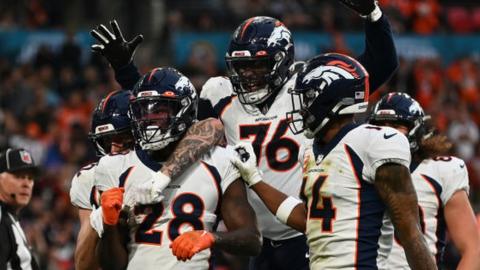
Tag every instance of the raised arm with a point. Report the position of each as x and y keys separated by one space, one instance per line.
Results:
x=380 y=56
x=395 y=188
x=118 y=52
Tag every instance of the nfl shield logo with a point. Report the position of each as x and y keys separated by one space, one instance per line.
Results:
x=25 y=156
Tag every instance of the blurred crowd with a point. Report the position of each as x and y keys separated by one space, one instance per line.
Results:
x=419 y=16
x=46 y=103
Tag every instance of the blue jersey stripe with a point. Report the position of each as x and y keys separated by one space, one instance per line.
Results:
x=124 y=177
x=370 y=218
x=441 y=225
x=218 y=179
x=221 y=105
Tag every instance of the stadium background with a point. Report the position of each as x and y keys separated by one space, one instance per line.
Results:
x=50 y=81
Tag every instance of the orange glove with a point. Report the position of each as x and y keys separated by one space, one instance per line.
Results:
x=190 y=243
x=111 y=202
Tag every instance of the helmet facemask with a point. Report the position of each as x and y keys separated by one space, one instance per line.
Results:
x=252 y=78
x=103 y=141
x=159 y=121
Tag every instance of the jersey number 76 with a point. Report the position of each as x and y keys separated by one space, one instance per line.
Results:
x=279 y=141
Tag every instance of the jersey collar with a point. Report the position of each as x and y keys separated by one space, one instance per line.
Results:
x=147 y=161
x=320 y=151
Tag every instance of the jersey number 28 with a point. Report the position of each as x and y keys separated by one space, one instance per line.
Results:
x=146 y=234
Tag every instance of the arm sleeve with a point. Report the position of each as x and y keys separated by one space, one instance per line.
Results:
x=380 y=56
x=103 y=176
x=229 y=172
x=127 y=76
x=386 y=146
x=454 y=176
x=80 y=190
x=215 y=92
x=221 y=159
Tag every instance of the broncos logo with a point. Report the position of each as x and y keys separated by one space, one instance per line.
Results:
x=330 y=73
x=415 y=109
x=279 y=33
x=184 y=82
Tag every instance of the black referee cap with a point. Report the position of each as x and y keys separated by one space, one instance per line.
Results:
x=12 y=160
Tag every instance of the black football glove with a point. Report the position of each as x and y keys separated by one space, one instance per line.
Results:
x=113 y=46
x=362 y=7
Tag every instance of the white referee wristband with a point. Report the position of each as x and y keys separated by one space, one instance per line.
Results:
x=375 y=15
x=286 y=208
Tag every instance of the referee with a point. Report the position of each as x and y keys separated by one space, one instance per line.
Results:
x=17 y=171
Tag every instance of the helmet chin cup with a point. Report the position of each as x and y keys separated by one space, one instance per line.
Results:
x=156 y=140
x=255 y=98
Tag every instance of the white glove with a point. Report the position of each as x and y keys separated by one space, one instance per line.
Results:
x=96 y=220
x=150 y=192
x=246 y=163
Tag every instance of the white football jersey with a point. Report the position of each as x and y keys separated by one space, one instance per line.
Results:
x=435 y=181
x=82 y=193
x=345 y=213
x=192 y=202
x=276 y=147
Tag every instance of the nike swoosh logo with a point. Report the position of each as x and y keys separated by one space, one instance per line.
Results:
x=385 y=136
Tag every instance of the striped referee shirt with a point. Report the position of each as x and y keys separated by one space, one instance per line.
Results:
x=15 y=253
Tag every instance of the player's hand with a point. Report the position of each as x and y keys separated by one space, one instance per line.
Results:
x=362 y=7
x=111 y=201
x=113 y=46
x=151 y=191
x=246 y=163
x=190 y=243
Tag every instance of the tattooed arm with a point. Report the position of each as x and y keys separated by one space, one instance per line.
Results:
x=395 y=188
x=200 y=138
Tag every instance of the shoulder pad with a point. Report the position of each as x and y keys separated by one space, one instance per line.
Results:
x=215 y=89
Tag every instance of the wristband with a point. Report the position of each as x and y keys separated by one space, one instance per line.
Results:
x=375 y=15
x=286 y=208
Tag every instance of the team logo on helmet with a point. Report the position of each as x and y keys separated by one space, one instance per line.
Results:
x=329 y=74
x=415 y=108
x=279 y=33
x=184 y=82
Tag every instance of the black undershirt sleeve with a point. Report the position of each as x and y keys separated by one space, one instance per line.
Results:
x=380 y=56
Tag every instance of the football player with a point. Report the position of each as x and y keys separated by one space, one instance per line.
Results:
x=441 y=183
x=252 y=102
x=174 y=229
x=111 y=134
x=353 y=174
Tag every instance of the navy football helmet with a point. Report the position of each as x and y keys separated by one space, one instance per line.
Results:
x=258 y=58
x=330 y=85
x=400 y=108
x=110 y=119
x=164 y=106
